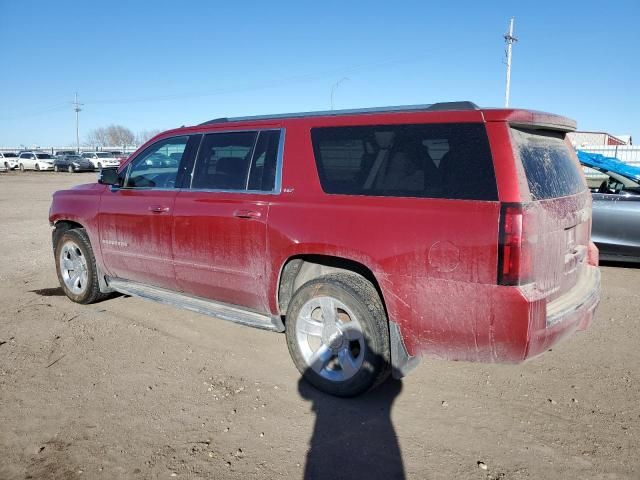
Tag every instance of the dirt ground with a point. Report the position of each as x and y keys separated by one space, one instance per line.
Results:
x=131 y=389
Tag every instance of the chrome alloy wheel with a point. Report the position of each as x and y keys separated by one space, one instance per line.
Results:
x=73 y=266
x=330 y=338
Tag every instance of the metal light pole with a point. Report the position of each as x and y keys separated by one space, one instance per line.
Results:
x=510 y=39
x=334 y=88
x=77 y=109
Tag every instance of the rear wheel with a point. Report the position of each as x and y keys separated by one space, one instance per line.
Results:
x=76 y=267
x=338 y=335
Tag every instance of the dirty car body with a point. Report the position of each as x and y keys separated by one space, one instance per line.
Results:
x=441 y=220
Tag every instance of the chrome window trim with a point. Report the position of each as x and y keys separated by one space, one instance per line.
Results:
x=277 y=186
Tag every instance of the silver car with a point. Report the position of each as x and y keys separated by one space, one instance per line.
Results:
x=616 y=208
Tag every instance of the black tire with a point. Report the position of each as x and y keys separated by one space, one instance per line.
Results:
x=362 y=299
x=22 y=167
x=55 y=168
x=91 y=292
x=37 y=166
x=70 y=169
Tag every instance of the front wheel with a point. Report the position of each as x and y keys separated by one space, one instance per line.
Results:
x=55 y=168
x=76 y=267
x=70 y=169
x=22 y=167
x=99 y=165
x=338 y=335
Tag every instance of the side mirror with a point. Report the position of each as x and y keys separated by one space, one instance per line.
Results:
x=109 y=176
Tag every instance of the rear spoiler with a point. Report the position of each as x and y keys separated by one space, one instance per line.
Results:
x=530 y=119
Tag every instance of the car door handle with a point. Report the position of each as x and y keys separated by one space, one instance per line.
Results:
x=158 y=209
x=247 y=214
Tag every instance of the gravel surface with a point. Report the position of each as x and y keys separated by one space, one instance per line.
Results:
x=131 y=389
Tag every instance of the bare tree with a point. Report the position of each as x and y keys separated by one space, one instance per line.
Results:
x=120 y=136
x=145 y=135
x=97 y=137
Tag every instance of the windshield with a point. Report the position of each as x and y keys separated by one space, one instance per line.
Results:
x=7 y=155
x=104 y=155
x=74 y=157
x=44 y=156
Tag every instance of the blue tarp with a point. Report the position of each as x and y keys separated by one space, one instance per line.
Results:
x=608 y=164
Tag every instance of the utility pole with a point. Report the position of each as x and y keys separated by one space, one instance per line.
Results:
x=77 y=109
x=510 y=39
x=335 y=86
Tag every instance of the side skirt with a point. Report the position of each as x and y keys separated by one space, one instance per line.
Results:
x=211 y=308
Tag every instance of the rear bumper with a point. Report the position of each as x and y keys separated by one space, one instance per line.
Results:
x=568 y=313
x=490 y=323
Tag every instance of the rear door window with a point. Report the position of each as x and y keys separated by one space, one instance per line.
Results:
x=419 y=160
x=549 y=163
x=238 y=161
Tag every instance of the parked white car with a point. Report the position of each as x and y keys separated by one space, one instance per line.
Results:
x=9 y=160
x=35 y=161
x=102 y=159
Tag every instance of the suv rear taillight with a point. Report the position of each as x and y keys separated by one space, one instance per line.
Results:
x=514 y=266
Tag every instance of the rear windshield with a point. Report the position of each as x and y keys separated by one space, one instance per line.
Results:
x=421 y=160
x=549 y=163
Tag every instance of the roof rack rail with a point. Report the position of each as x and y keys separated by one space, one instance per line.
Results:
x=433 y=107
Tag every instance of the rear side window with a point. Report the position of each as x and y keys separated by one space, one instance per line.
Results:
x=422 y=160
x=549 y=164
x=223 y=161
x=238 y=161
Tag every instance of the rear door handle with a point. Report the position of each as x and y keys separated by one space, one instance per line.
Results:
x=158 y=209
x=247 y=214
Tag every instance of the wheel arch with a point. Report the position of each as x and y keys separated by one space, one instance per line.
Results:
x=62 y=226
x=299 y=269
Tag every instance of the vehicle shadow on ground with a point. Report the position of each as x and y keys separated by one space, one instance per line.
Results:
x=353 y=437
x=619 y=264
x=49 y=292
x=59 y=292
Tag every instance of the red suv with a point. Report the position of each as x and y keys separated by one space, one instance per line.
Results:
x=371 y=237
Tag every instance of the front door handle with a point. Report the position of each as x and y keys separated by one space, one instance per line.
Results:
x=247 y=214
x=158 y=209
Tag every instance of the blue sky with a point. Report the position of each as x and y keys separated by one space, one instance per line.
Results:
x=157 y=65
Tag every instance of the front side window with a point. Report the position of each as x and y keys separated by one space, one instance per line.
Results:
x=419 y=160
x=157 y=166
